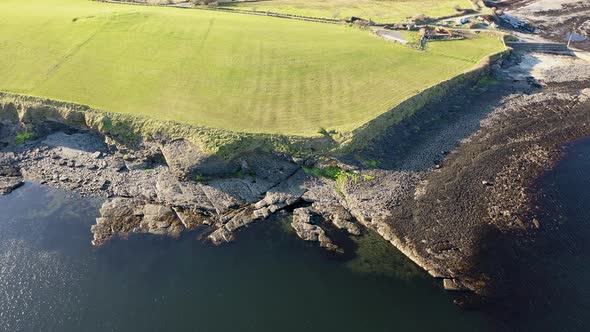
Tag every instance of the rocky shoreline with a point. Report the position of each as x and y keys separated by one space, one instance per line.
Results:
x=167 y=188
x=483 y=189
x=443 y=210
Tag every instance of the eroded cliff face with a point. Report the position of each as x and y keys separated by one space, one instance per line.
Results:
x=43 y=116
x=446 y=217
x=161 y=185
x=168 y=186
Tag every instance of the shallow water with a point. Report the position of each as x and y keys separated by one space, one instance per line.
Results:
x=52 y=279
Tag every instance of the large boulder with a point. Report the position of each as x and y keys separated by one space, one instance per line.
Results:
x=188 y=160
x=10 y=179
x=158 y=219
x=221 y=235
x=303 y=224
x=285 y=194
x=117 y=216
x=121 y=216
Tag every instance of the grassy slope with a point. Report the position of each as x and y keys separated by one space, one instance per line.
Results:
x=377 y=10
x=237 y=72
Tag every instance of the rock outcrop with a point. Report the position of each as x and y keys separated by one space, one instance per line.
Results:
x=121 y=216
x=309 y=231
x=441 y=217
x=10 y=179
x=10 y=173
x=187 y=160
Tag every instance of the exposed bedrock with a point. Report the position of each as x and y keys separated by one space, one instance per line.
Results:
x=126 y=215
x=170 y=186
x=188 y=160
x=445 y=217
x=162 y=186
x=309 y=230
x=482 y=192
x=10 y=179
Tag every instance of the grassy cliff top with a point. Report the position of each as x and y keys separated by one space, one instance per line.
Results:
x=221 y=70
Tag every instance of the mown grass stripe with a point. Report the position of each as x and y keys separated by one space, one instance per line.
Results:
x=237 y=72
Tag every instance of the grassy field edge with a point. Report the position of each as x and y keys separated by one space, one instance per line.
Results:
x=359 y=137
x=132 y=129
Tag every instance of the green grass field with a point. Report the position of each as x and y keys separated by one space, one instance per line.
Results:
x=377 y=10
x=238 y=72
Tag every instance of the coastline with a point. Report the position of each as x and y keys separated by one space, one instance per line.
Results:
x=479 y=195
x=169 y=185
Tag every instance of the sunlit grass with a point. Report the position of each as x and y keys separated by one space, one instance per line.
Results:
x=237 y=72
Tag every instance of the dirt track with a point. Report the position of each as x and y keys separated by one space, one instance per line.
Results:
x=556 y=19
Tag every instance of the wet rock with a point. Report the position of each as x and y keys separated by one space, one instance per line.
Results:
x=273 y=202
x=239 y=219
x=158 y=219
x=306 y=230
x=326 y=202
x=230 y=223
x=121 y=216
x=451 y=285
x=221 y=236
x=190 y=219
x=342 y=219
x=9 y=184
x=261 y=213
x=10 y=176
x=117 y=216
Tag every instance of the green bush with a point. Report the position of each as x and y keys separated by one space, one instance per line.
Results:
x=24 y=137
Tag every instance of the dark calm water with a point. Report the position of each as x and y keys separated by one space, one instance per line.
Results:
x=551 y=290
x=52 y=279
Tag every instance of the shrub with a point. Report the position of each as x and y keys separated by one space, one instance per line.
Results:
x=25 y=136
